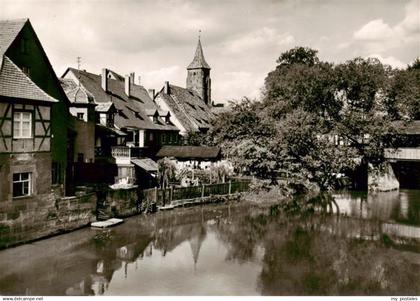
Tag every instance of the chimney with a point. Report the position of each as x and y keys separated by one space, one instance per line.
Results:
x=151 y=93
x=132 y=74
x=127 y=84
x=104 y=79
x=167 y=89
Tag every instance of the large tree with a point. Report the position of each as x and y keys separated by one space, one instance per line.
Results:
x=316 y=119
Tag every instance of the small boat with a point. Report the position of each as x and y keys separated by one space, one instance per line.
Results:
x=167 y=207
x=108 y=223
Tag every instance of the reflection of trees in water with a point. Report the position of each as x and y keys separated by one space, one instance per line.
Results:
x=319 y=255
x=242 y=236
x=311 y=262
x=400 y=206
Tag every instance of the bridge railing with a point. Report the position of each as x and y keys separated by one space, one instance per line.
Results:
x=403 y=153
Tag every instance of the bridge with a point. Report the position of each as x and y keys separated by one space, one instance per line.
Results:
x=402 y=170
x=403 y=164
x=403 y=154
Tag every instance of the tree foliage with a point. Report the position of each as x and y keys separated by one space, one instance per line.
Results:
x=318 y=119
x=166 y=172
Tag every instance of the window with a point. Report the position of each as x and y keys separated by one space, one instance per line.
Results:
x=163 y=138
x=110 y=120
x=26 y=70
x=103 y=119
x=81 y=115
x=22 y=125
x=23 y=46
x=22 y=184
x=151 y=137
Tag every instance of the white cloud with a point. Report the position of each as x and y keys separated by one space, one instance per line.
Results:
x=240 y=83
x=390 y=41
x=374 y=30
x=389 y=60
x=241 y=39
x=409 y=27
x=406 y=31
x=156 y=78
x=264 y=37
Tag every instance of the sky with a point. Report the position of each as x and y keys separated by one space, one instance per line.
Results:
x=241 y=38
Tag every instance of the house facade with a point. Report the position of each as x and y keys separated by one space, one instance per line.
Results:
x=36 y=143
x=136 y=126
x=34 y=114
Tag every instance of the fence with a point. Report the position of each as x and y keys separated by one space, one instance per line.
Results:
x=165 y=196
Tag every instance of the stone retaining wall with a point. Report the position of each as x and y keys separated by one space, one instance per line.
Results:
x=122 y=202
x=31 y=218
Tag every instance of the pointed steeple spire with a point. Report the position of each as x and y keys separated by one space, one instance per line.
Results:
x=199 y=61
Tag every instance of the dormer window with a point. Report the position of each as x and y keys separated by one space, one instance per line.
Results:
x=110 y=120
x=23 y=46
x=26 y=70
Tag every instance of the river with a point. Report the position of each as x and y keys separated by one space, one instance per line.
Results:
x=371 y=247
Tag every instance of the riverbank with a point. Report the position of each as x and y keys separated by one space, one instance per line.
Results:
x=236 y=242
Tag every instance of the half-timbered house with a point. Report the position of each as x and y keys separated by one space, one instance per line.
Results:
x=34 y=117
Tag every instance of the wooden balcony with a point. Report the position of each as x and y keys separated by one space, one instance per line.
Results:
x=124 y=154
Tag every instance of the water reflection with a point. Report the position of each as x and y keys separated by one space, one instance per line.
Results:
x=400 y=206
x=372 y=248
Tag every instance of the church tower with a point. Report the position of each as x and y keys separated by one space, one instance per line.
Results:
x=198 y=75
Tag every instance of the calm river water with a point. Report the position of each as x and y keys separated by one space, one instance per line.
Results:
x=371 y=248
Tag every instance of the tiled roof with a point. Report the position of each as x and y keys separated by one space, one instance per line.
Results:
x=150 y=112
x=217 y=110
x=9 y=29
x=74 y=92
x=103 y=106
x=116 y=76
x=163 y=113
x=188 y=107
x=199 y=61
x=14 y=83
x=112 y=130
x=147 y=164
x=131 y=110
x=189 y=152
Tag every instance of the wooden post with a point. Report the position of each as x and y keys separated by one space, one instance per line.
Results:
x=171 y=193
x=156 y=195
x=202 y=191
x=230 y=186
